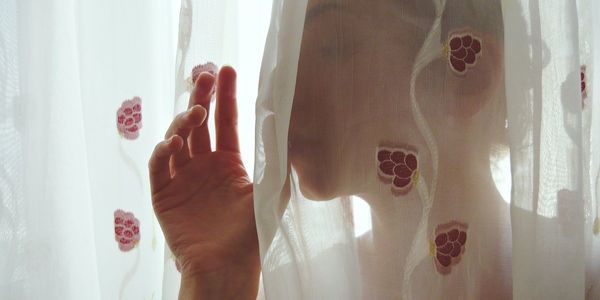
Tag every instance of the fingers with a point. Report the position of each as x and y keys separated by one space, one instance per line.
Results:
x=226 y=115
x=201 y=95
x=182 y=126
x=158 y=165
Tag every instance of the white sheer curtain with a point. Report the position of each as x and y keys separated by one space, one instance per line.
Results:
x=75 y=215
x=550 y=47
x=66 y=169
x=311 y=249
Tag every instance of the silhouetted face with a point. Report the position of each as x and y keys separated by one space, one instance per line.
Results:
x=352 y=91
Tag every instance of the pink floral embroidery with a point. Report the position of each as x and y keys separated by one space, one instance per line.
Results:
x=398 y=166
x=197 y=70
x=129 y=118
x=450 y=240
x=463 y=51
x=583 y=85
x=127 y=230
x=207 y=67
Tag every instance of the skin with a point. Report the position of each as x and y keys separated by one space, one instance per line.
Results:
x=203 y=198
x=352 y=97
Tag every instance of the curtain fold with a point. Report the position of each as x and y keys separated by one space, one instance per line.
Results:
x=549 y=233
x=40 y=235
x=545 y=111
x=87 y=88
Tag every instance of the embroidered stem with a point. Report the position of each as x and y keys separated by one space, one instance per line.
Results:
x=132 y=164
x=185 y=31
x=420 y=248
x=130 y=273
x=138 y=174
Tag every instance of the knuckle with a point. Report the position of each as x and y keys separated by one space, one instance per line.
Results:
x=156 y=148
x=151 y=163
x=155 y=153
x=176 y=124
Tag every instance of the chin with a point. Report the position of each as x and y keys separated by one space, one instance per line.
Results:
x=316 y=192
x=315 y=184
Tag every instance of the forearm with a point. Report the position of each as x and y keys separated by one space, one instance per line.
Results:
x=233 y=284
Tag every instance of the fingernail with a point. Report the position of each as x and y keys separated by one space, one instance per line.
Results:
x=200 y=115
x=199 y=107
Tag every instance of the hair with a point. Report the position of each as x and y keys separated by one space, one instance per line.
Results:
x=482 y=15
x=485 y=17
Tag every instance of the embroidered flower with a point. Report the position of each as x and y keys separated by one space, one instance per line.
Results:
x=129 y=118
x=583 y=85
x=127 y=230
x=398 y=166
x=449 y=244
x=463 y=51
x=197 y=70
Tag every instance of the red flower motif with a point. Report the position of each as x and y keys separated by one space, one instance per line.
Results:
x=464 y=51
x=127 y=230
x=450 y=240
x=207 y=67
x=129 y=118
x=583 y=85
x=398 y=166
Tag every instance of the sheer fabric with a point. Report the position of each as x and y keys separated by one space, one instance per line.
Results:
x=87 y=88
x=466 y=128
x=67 y=68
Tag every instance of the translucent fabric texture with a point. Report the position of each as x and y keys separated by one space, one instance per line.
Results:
x=87 y=89
x=67 y=169
x=463 y=131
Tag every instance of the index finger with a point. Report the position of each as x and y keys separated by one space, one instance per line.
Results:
x=199 y=138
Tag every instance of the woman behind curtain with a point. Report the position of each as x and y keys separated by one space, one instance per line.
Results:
x=362 y=65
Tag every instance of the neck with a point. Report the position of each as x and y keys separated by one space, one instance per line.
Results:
x=464 y=179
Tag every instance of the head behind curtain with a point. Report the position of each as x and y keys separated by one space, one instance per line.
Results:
x=352 y=90
x=351 y=99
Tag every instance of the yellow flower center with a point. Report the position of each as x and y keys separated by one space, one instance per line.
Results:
x=431 y=248
x=445 y=50
x=415 y=177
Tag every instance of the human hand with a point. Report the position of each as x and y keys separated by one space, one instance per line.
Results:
x=203 y=199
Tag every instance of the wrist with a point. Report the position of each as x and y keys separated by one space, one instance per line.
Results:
x=231 y=282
